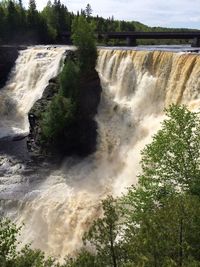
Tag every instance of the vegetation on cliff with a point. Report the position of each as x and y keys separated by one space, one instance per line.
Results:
x=83 y=39
x=156 y=223
x=61 y=123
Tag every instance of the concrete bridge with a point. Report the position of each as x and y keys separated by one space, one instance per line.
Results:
x=131 y=37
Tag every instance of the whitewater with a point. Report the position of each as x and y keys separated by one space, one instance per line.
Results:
x=58 y=205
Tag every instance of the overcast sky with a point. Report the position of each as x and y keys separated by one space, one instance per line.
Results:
x=169 y=13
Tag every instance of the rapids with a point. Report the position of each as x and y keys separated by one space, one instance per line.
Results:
x=57 y=206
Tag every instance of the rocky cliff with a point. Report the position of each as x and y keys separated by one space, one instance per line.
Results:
x=82 y=135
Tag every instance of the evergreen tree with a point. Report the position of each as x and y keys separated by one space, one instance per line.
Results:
x=12 y=20
x=83 y=37
x=69 y=80
x=59 y=115
x=32 y=5
x=88 y=10
x=2 y=24
x=32 y=15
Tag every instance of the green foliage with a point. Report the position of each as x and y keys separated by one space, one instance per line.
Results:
x=63 y=117
x=165 y=233
x=104 y=232
x=32 y=258
x=162 y=214
x=59 y=115
x=18 y=25
x=157 y=223
x=8 y=240
x=69 y=80
x=83 y=259
x=10 y=256
x=172 y=160
x=83 y=38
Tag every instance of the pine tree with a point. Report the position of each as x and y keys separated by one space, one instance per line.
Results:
x=32 y=5
x=88 y=10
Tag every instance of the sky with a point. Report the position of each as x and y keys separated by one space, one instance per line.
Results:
x=167 y=13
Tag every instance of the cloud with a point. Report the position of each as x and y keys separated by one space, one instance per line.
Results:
x=170 y=13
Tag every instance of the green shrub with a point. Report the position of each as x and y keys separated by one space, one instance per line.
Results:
x=59 y=115
x=8 y=240
x=83 y=38
x=69 y=80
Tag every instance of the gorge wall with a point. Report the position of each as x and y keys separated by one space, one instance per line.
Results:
x=57 y=208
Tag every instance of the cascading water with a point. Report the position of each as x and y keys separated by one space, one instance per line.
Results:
x=34 y=67
x=137 y=85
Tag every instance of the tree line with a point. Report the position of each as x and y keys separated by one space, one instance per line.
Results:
x=30 y=26
x=20 y=25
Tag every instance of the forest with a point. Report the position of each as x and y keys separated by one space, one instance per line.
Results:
x=19 y=25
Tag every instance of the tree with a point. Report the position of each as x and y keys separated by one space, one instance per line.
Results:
x=88 y=10
x=83 y=259
x=172 y=160
x=104 y=232
x=20 y=4
x=2 y=23
x=32 y=16
x=161 y=214
x=12 y=19
x=163 y=235
x=83 y=38
x=8 y=238
x=69 y=80
x=59 y=116
x=32 y=5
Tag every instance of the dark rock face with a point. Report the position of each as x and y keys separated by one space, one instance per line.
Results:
x=90 y=96
x=8 y=56
x=81 y=138
x=34 y=116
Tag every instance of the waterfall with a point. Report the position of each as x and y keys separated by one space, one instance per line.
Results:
x=137 y=85
x=34 y=68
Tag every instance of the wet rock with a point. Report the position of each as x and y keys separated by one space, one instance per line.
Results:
x=19 y=137
x=34 y=138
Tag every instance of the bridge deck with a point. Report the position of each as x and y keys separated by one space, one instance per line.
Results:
x=151 y=35
x=132 y=36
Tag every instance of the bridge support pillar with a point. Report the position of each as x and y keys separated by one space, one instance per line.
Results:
x=130 y=41
x=196 y=42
